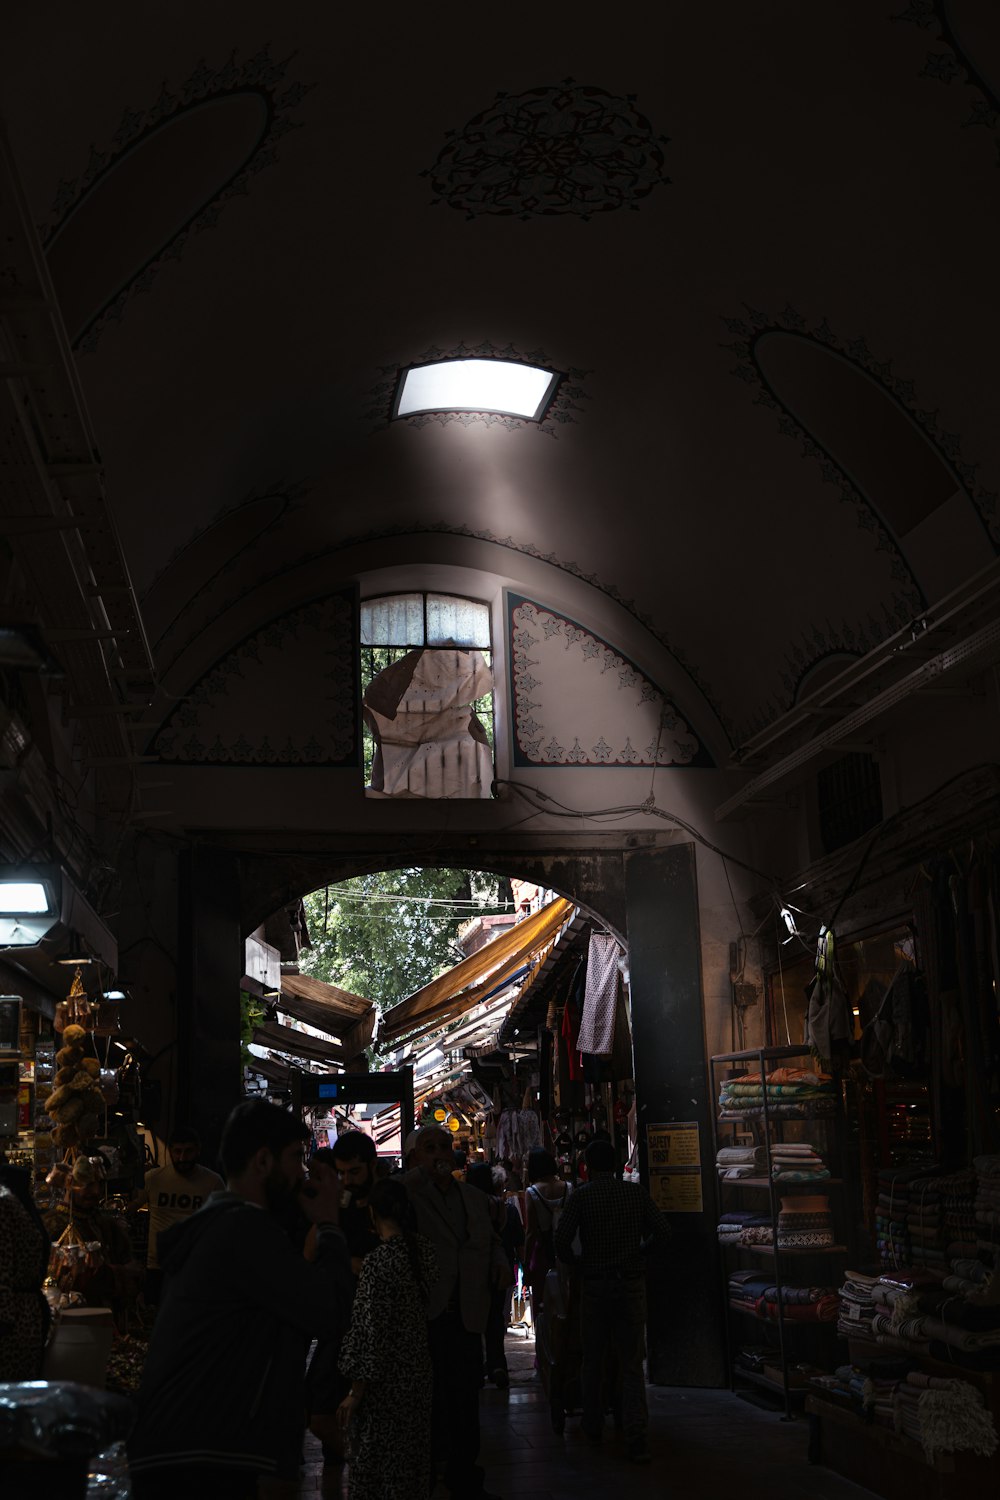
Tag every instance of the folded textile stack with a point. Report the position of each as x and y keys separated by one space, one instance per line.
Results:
x=925 y=1317
x=958 y=1194
x=757 y=1234
x=794 y=1093
x=891 y=1238
x=797 y=1161
x=731 y=1225
x=746 y=1289
x=870 y=1385
x=734 y=1162
x=883 y=1407
x=755 y=1293
x=987 y=1205
x=925 y=1224
x=805 y=1223
x=858 y=1384
x=966 y=1275
x=856 y=1305
x=943 y=1416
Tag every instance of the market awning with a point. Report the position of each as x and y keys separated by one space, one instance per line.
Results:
x=298 y=1043
x=480 y=974
x=274 y=1071
x=534 y=994
x=348 y=1017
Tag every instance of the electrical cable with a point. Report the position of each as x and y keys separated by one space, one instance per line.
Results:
x=648 y=807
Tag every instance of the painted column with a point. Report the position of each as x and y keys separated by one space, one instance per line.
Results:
x=686 y=1317
x=209 y=1074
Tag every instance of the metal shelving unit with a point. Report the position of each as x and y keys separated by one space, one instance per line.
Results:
x=767 y=1130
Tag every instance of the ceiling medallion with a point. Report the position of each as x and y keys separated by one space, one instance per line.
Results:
x=567 y=148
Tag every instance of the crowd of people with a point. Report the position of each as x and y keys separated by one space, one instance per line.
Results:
x=400 y=1285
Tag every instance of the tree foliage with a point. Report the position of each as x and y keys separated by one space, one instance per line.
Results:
x=386 y=934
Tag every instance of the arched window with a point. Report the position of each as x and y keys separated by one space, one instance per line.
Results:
x=427 y=695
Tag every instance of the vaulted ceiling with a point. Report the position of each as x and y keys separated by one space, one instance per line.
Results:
x=759 y=241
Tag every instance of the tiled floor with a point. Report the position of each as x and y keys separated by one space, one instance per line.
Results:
x=705 y=1444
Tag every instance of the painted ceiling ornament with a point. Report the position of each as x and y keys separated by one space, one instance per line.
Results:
x=951 y=63
x=565 y=148
x=754 y=325
x=262 y=76
x=219 y=722
x=579 y=702
x=568 y=393
x=844 y=637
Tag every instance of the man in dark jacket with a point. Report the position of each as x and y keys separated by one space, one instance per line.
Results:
x=222 y=1396
x=456 y=1220
x=617 y=1223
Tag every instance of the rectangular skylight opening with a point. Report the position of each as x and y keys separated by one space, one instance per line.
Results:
x=498 y=386
x=23 y=898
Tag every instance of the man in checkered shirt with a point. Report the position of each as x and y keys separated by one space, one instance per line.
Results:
x=617 y=1223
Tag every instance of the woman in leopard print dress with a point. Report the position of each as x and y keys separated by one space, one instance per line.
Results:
x=385 y=1355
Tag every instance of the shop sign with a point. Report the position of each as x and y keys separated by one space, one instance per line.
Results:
x=674 y=1156
x=453 y=1124
x=440 y=1115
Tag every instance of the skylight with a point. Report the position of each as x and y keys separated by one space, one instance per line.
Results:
x=481 y=385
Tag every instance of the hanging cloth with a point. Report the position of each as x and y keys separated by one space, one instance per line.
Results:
x=828 y=1019
x=569 y=1030
x=600 y=996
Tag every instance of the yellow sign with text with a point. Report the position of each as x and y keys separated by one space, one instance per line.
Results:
x=674 y=1155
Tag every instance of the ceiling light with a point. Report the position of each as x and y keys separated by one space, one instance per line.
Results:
x=24 y=898
x=76 y=952
x=482 y=385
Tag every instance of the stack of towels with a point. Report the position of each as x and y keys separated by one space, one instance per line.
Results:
x=732 y=1226
x=797 y=1161
x=857 y=1306
x=752 y=1292
x=891 y=1237
x=987 y=1207
x=734 y=1162
x=793 y=1093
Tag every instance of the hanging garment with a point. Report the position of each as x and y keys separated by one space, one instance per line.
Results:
x=600 y=997
x=828 y=1019
x=428 y=740
x=569 y=1030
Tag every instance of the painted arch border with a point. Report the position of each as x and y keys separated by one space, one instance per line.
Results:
x=513 y=600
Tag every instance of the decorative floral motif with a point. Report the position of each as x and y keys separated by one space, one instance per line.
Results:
x=268 y=684
x=295 y=493
x=953 y=63
x=262 y=75
x=568 y=393
x=538 y=639
x=855 y=637
x=566 y=148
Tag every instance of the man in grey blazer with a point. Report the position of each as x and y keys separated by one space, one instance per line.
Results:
x=455 y=1218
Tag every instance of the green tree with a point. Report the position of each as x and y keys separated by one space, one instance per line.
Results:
x=386 y=934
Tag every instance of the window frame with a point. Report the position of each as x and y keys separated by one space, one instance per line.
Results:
x=489 y=720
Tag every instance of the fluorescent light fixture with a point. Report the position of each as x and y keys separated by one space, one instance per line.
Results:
x=77 y=953
x=500 y=386
x=24 y=898
x=41 y=903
